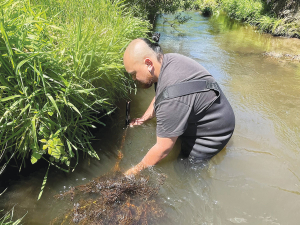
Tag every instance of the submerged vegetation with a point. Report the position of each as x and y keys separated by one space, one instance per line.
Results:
x=114 y=199
x=279 y=17
x=61 y=70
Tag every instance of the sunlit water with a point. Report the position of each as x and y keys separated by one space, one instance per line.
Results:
x=255 y=180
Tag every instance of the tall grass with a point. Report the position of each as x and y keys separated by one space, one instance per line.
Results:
x=260 y=13
x=60 y=72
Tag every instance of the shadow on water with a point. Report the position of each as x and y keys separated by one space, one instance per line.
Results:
x=254 y=180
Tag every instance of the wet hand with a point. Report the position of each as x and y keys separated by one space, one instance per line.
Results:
x=137 y=121
x=135 y=170
x=131 y=172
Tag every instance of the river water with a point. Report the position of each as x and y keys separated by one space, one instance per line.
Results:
x=254 y=180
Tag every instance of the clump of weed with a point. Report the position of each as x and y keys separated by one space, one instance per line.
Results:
x=114 y=199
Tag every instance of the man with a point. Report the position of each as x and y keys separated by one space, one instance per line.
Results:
x=188 y=103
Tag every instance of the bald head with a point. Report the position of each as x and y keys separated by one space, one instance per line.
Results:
x=138 y=50
x=142 y=59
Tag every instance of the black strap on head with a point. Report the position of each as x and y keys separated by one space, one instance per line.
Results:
x=186 y=88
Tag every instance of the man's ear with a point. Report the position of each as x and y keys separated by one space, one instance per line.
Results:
x=148 y=62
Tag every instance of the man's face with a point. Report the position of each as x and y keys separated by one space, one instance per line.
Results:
x=139 y=71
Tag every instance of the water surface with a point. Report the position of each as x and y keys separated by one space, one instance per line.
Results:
x=255 y=180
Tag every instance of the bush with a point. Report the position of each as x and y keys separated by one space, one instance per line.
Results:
x=206 y=7
x=244 y=10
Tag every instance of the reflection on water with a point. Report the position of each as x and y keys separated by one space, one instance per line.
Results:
x=255 y=180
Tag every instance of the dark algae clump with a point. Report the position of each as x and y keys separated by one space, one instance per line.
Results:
x=114 y=199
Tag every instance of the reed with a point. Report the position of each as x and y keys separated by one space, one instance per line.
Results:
x=60 y=72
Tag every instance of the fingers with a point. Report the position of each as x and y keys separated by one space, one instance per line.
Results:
x=130 y=173
x=137 y=121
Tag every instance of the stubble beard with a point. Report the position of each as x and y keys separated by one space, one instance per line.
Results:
x=147 y=85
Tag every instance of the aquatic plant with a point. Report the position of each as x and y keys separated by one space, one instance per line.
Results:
x=114 y=199
x=61 y=70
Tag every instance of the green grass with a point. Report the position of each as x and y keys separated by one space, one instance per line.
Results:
x=61 y=70
x=7 y=219
x=255 y=12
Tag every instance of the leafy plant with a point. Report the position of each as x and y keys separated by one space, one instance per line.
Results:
x=61 y=71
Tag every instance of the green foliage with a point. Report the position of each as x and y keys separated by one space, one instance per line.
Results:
x=272 y=16
x=257 y=12
x=244 y=10
x=61 y=70
x=7 y=219
x=206 y=7
x=149 y=9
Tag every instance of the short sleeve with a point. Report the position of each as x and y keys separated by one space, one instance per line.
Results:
x=172 y=118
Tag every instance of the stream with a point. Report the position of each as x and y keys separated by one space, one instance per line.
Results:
x=254 y=180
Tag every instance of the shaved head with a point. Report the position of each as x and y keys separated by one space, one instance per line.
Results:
x=138 y=50
x=142 y=59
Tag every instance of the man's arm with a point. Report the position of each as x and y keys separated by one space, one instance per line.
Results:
x=160 y=150
x=149 y=114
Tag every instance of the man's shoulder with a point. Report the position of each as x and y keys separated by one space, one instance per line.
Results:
x=176 y=56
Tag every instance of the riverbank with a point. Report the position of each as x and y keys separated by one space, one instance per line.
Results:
x=279 y=18
x=61 y=72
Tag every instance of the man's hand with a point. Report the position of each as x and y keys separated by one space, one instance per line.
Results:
x=137 y=121
x=135 y=170
x=149 y=114
x=131 y=172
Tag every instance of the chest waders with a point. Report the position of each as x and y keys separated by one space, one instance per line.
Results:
x=186 y=88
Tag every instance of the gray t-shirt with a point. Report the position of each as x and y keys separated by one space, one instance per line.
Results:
x=173 y=114
x=205 y=128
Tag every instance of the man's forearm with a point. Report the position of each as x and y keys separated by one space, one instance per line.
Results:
x=155 y=154
x=160 y=150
